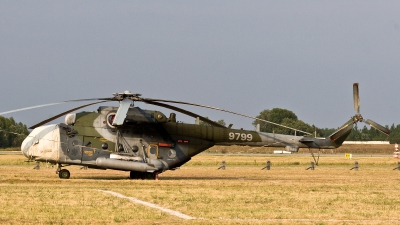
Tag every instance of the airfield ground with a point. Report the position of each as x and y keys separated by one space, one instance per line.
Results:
x=240 y=194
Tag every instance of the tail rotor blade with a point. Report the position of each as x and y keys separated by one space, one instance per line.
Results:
x=378 y=126
x=356 y=98
x=345 y=128
x=342 y=133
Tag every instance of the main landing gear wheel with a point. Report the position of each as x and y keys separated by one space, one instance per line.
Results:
x=142 y=175
x=64 y=174
x=135 y=175
x=149 y=176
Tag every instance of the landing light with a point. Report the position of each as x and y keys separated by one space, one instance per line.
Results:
x=163 y=144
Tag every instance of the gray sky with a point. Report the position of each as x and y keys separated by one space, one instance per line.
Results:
x=243 y=56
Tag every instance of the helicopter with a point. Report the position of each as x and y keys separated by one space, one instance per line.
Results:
x=147 y=142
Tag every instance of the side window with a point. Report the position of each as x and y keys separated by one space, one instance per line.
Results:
x=153 y=151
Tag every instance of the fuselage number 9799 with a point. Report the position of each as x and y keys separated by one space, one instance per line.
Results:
x=240 y=136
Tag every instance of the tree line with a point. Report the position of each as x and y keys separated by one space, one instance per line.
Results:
x=12 y=134
x=288 y=118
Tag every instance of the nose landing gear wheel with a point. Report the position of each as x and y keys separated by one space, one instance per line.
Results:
x=64 y=174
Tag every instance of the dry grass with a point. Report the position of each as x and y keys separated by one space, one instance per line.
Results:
x=241 y=194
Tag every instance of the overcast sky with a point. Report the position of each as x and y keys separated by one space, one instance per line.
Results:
x=243 y=56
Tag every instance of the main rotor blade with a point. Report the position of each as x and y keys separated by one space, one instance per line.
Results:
x=62 y=114
x=184 y=112
x=122 y=111
x=356 y=98
x=224 y=110
x=55 y=103
x=378 y=126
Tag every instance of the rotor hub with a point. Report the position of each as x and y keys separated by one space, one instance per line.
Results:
x=126 y=94
x=358 y=118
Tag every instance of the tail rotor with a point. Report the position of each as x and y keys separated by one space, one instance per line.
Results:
x=359 y=118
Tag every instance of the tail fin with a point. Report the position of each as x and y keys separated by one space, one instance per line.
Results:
x=340 y=135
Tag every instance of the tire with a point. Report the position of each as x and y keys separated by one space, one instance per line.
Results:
x=150 y=176
x=134 y=175
x=142 y=175
x=64 y=174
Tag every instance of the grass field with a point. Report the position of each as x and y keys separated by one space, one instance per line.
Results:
x=240 y=194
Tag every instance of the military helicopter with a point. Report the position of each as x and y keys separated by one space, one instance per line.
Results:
x=147 y=142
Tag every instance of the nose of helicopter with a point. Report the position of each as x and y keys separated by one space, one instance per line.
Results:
x=25 y=147
x=33 y=139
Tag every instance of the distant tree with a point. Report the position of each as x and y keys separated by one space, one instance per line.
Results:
x=394 y=136
x=288 y=118
x=325 y=132
x=283 y=117
x=222 y=122
x=12 y=134
x=276 y=115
